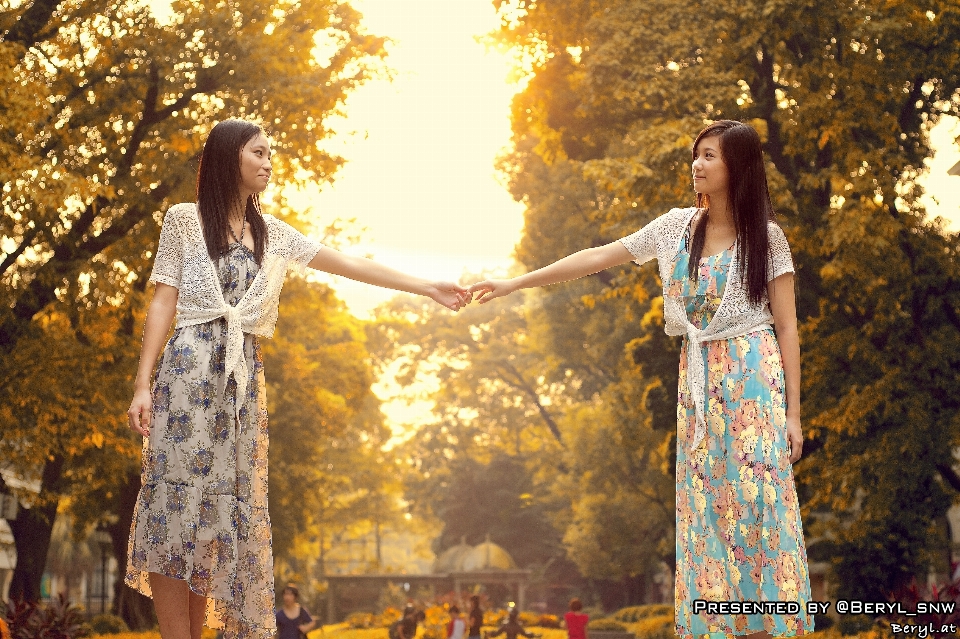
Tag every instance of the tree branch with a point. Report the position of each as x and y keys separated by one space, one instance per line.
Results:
x=950 y=476
x=14 y=255
x=64 y=263
x=28 y=27
x=520 y=384
x=765 y=97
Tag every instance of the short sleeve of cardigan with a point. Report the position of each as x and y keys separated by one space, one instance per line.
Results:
x=168 y=261
x=642 y=244
x=300 y=249
x=781 y=260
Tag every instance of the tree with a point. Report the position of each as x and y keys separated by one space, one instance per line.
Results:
x=326 y=466
x=108 y=112
x=844 y=95
x=538 y=419
x=498 y=499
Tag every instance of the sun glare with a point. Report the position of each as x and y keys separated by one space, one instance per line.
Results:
x=421 y=148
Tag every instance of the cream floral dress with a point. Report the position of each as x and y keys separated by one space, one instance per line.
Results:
x=202 y=511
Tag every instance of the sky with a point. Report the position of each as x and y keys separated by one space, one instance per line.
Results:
x=421 y=149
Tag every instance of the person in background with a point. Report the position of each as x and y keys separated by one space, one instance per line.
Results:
x=475 y=618
x=408 y=625
x=576 y=621
x=457 y=627
x=293 y=620
x=512 y=627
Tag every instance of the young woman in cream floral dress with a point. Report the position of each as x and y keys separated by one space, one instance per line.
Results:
x=727 y=276
x=200 y=543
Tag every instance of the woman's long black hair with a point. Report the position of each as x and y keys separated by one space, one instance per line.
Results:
x=742 y=152
x=218 y=187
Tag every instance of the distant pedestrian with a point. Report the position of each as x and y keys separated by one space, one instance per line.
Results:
x=576 y=621
x=293 y=620
x=457 y=628
x=512 y=627
x=475 y=618
x=407 y=629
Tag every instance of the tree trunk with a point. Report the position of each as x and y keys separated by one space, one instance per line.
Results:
x=31 y=534
x=134 y=608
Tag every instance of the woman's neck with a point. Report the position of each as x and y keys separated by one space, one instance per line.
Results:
x=719 y=213
x=238 y=210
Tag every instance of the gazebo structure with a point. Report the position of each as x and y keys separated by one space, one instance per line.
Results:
x=458 y=567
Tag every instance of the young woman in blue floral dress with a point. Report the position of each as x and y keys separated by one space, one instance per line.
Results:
x=727 y=276
x=200 y=543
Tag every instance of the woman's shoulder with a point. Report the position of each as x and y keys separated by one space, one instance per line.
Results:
x=179 y=214
x=277 y=227
x=775 y=232
x=180 y=209
x=677 y=217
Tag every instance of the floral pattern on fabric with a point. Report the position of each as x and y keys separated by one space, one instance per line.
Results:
x=201 y=515
x=739 y=535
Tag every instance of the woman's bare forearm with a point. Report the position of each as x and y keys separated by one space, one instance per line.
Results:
x=160 y=314
x=790 y=353
x=369 y=272
x=783 y=306
x=577 y=265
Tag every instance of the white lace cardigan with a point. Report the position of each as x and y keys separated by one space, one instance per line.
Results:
x=735 y=316
x=182 y=261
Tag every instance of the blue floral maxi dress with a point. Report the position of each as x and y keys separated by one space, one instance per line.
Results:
x=201 y=515
x=739 y=535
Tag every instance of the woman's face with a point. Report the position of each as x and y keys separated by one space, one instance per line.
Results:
x=710 y=175
x=255 y=168
x=288 y=598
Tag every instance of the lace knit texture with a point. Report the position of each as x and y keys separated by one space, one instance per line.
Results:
x=182 y=261
x=736 y=315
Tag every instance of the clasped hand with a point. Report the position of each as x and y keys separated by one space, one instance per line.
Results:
x=491 y=289
x=451 y=295
x=455 y=297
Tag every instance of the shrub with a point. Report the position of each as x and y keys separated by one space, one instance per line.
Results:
x=655 y=626
x=435 y=623
x=606 y=625
x=528 y=618
x=108 y=625
x=362 y=620
x=494 y=617
x=57 y=620
x=822 y=622
x=548 y=621
x=854 y=624
x=636 y=613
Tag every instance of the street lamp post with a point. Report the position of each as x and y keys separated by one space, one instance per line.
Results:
x=103 y=539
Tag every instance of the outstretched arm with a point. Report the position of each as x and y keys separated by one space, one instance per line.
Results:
x=582 y=263
x=451 y=295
